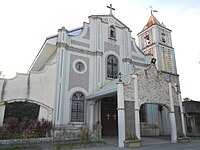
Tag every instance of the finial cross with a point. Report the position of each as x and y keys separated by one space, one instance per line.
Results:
x=111 y=8
x=152 y=10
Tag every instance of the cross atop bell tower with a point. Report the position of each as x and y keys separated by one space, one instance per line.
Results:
x=152 y=10
x=111 y=8
x=155 y=39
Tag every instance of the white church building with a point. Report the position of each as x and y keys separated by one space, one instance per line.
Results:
x=97 y=73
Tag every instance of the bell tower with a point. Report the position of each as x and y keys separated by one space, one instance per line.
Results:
x=155 y=39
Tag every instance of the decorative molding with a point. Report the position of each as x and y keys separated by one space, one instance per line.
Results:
x=139 y=64
x=127 y=60
x=117 y=24
x=80 y=43
x=137 y=58
x=60 y=45
x=111 y=47
x=105 y=20
x=82 y=51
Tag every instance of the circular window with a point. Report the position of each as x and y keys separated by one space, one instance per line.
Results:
x=80 y=66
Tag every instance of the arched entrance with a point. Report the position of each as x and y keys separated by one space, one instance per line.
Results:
x=44 y=110
x=154 y=87
x=154 y=120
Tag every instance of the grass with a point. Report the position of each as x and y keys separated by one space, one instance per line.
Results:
x=22 y=147
x=79 y=144
x=57 y=146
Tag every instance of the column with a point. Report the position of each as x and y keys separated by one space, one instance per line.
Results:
x=182 y=113
x=91 y=122
x=121 y=114
x=172 y=116
x=137 y=108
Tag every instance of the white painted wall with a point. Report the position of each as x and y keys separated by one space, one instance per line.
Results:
x=42 y=90
x=2 y=111
x=42 y=85
x=16 y=87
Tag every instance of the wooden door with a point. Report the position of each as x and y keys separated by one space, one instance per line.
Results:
x=109 y=117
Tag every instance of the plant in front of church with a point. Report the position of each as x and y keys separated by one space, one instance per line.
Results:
x=84 y=133
x=97 y=131
x=87 y=134
x=27 y=128
x=131 y=140
x=131 y=137
x=181 y=138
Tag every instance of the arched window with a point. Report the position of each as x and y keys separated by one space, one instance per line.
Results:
x=77 y=109
x=112 y=32
x=112 y=66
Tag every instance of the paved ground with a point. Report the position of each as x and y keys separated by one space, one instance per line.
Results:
x=193 y=145
x=159 y=143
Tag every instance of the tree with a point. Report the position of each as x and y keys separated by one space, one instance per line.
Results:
x=186 y=99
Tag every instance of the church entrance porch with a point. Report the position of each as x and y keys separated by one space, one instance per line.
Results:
x=109 y=118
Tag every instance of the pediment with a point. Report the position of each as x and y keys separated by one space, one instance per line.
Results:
x=110 y=19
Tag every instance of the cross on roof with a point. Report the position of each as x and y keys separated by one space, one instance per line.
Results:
x=111 y=8
x=152 y=10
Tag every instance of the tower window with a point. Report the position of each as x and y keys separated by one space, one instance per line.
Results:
x=112 y=32
x=77 y=109
x=163 y=37
x=112 y=67
x=147 y=39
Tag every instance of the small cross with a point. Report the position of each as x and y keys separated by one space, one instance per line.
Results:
x=152 y=10
x=108 y=116
x=111 y=8
x=120 y=77
x=114 y=116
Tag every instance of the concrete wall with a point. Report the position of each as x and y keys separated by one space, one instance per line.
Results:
x=2 y=111
x=36 y=87
x=178 y=119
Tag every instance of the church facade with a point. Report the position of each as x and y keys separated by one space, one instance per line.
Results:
x=97 y=74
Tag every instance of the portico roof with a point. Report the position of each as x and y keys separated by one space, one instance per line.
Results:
x=107 y=89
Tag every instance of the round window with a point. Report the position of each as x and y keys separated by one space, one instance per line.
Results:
x=80 y=66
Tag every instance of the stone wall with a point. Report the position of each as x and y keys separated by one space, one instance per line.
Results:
x=129 y=118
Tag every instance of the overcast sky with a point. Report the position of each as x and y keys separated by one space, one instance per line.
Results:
x=25 y=24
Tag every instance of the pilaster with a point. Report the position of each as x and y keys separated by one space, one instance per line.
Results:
x=60 y=82
x=91 y=121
